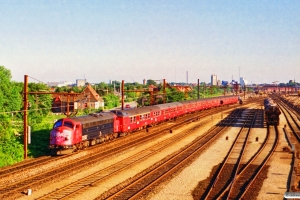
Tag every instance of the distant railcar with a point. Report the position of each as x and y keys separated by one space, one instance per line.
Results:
x=272 y=112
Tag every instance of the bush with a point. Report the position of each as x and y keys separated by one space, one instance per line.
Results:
x=11 y=149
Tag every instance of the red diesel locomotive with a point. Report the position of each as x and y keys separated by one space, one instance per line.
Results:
x=72 y=134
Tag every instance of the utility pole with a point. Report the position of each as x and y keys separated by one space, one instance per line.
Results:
x=25 y=110
x=164 y=96
x=204 y=90
x=122 y=94
x=198 y=89
x=25 y=115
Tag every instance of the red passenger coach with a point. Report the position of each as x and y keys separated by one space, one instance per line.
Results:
x=135 y=119
x=190 y=106
x=169 y=110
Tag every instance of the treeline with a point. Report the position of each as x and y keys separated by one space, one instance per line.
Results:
x=11 y=118
x=11 y=149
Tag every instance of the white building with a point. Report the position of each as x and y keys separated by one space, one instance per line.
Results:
x=243 y=81
x=59 y=84
x=80 y=82
x=214 y=79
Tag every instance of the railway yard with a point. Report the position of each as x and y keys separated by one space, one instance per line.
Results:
x=226 y=152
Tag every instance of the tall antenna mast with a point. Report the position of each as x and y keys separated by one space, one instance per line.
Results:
x=187 y=77
x=239 y=74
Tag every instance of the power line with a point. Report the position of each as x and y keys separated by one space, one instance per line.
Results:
x=38 y=80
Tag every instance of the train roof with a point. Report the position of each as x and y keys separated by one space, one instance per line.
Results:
x=147 y=109
x=168 y=105
x=206 y=99
x=135 y=111
x=192 y=101
x=93 y=117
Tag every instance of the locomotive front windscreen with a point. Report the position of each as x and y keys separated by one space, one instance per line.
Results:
x=58 y=124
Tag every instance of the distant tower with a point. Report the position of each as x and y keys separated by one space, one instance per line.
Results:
x=214 y=79
x=239 y=73
x=187 y=77
x=144 y=81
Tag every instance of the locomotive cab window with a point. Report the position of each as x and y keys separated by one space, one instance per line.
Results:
x=68 y=124
x=58 y=124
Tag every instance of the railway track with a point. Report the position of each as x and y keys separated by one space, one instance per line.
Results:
x=292 y=116
x=99 y=177
x=292 y=133
x=32 y=166
x=36 y=181
x=244 y=186
x=234 y=178
x=228 y=171
x=144 y=182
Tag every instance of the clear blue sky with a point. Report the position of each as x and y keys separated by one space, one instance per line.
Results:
x=143 y=39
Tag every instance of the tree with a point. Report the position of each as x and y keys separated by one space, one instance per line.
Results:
x=102 y=89
x=10 y=92
x=76 y=89
x=40 y=104
x=11 y=150
x=173 y=95
x=151 y=82
x=111 y=101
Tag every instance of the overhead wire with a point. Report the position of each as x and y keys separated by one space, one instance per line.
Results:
x=37 y=109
